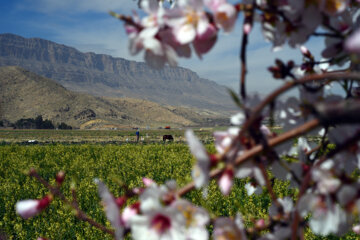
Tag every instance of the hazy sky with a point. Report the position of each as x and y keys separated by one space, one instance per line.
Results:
x=87 y=26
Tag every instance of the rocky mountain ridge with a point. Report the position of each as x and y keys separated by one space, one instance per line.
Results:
x=103 y=75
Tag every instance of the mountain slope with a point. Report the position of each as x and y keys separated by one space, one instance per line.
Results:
x=103 y=75
x=26 y=95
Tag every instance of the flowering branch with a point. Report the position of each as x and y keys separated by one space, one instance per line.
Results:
x=79 y=213
x=256 y=150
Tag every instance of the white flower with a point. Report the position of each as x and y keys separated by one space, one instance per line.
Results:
x=250 y=189
x=224 y=140
x=195 y=220
x=249 y=169
x=200 y=172
x=329 y=220
x=352 y=43
x=189 y=21
x=151 y=199
x=225 y=14
x=111 y=209
x=325 y=180
x=163 y=224
x=286 y=205
x=29 y=208
x=225 y=228
x=327 y=217
x=238 y=119
x=226 y=181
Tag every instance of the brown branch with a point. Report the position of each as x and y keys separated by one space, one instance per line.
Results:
x=243 y=66
x=126 y=19
x=334 y=76
x=257 y=150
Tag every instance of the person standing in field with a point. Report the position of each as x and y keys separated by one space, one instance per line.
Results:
x=137 y=135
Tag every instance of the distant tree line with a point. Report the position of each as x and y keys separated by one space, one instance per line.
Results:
x=31 y=123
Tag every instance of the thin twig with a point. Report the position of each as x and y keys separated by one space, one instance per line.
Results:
x=333 y=35
x=79 y=213
x=243 y=66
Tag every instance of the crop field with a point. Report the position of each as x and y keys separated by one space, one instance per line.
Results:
x=114 y=163
x=96 y=136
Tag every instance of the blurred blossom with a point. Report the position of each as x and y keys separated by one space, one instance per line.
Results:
x=251 y=189
x=201 y=169
x=196 y=219
x=286 y=205
x=226 y=181
x=30 y=208
x=249 y=169
x=111 y=209
x=352 y=44
x=327 y=217
x=226 y=228
x=225 y=13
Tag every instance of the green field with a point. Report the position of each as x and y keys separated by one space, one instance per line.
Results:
x=113 y=163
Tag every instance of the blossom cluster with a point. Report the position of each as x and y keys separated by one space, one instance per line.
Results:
x=166 y=33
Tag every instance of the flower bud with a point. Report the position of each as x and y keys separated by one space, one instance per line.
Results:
x=356 y=229
x=226 y=181
x=147 y=181
x=29 y=208
x=120 y=201
x=60 y=177
x=260 y=224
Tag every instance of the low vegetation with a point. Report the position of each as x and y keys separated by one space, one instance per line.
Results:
x=114 y=164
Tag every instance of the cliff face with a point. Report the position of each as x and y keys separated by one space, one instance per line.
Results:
x=103 y=75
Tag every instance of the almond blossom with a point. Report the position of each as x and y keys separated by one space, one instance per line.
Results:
x=30 y=208
x=327 y=217
x=196 y=219
x=201 y=169
x=352 y=44
x=226 y=228
x=111 y=209
x=225 y=14
x=160 y=224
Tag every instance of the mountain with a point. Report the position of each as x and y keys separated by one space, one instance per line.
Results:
x=103 y=75
x=26 y=95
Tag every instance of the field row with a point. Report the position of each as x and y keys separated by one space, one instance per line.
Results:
x=98 y=136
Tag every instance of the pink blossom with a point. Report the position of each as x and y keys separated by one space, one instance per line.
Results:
x=201 y=169
x=226 y=228
x=226 y=181
x=29 y=208
x=195 y=218
x=356 y=229
x=111 y=209
x=160 y=224
x=128 y=213
x=352 y=43
x=225 y=14
x=147 y=181
x=333 y=7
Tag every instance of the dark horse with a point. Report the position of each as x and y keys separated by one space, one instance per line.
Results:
x=168 y=137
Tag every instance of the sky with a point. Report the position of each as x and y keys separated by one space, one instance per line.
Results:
x=87 y=26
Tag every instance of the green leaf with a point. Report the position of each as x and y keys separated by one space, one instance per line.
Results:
x=235 y=98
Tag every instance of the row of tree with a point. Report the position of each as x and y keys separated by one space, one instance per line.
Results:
x=37 y=123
